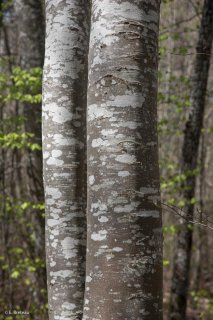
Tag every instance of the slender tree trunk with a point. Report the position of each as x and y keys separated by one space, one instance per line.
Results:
x=181 y=268
x=64 y=147
x=202 y=275
x=30 y=23
x=30 y=52
x=124 y=242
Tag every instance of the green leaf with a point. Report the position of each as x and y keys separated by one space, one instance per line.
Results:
x=166 y=262
x=15 y=274
x=31 y=268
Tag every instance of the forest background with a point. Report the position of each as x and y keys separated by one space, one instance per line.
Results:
x=22 y=257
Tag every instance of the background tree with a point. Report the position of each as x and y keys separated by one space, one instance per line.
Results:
x=194 y=124
x=22 y=242
x=30 y=54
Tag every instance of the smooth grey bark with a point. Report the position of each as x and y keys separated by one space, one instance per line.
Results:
x=194 y=124
x=64 y=153
x=124 y=240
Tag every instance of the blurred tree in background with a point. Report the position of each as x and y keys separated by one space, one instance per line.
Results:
x=23 y=275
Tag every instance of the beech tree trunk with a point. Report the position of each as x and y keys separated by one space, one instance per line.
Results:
x=181 y=268
x=64 y=147
x=124 y=242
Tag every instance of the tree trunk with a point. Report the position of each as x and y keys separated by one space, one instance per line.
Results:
x=30 y=23
x=202 y=274
x=181 y=268
x=30 y=52
x=64 y=147
x=124 y=242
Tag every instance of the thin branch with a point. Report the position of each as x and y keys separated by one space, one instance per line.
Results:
x=183 y=215
x=179 y=211
x=178 y=23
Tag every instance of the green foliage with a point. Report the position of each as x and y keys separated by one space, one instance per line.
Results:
x=171 y=229
x=20 y=207
x=167 y=1
x=18 y=140
x=20 y=263
x=166 y=263
x=180 y=100
x=25 y=265
x=25 y=86
x=200 y=297
x=6 y=4
x=15 y=274
x=173 y=183
x=21 y=86
x=22 y=267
